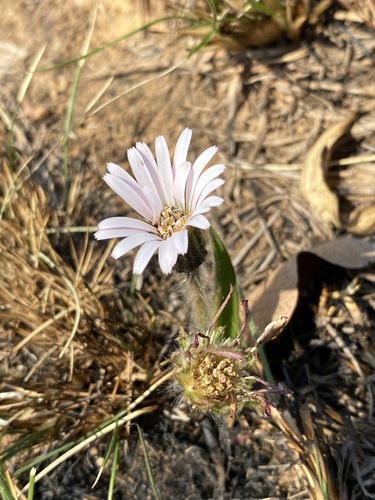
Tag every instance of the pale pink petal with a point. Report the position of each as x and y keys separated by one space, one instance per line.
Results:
x=107 y=234
x=164 y=170
x=146 y=160
x=181 y=241
x=204 y=158
x=181 y=151
x=116 y=222
x=199 y=221
x=121 y=227
x=131 y=242
x=208 y=203
x=141 y=172
x=147 y=156
x=211 y=186
x=214 y=201
x=144 y=255
x=118 y=171
x=204 y=179
x=179 y=186
x=198 y=167
x=154 y=202
x=167 y=255
x=115 y=169
x=131 y=193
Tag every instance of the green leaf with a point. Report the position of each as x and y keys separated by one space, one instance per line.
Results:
x=148 y=463
x=5 y=492
x=224 y=277
x=30 y=494
x=112 y=481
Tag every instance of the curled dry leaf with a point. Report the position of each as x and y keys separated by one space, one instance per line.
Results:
x=313 y=184
x=279 y=294
x=360 y=221
x=273 y=329
x=314 y=187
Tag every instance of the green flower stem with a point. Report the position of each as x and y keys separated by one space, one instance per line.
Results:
x=194 y=284
x=199 y=300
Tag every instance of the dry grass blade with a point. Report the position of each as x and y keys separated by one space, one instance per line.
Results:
x=29 y=75
x=162 y=74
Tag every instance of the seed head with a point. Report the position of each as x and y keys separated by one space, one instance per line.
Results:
x=212 y=370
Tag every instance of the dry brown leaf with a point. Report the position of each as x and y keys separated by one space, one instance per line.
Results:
x=279 y=294
x=360 y=221
x=273 y=330
x=314 y=187
x=313 y=184
x=319 y=9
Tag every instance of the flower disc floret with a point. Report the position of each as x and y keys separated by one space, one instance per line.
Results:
x=171 y=220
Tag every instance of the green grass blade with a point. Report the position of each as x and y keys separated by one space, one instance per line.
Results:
x=24 y=443
x=112 y=480
x=261 y=8
x=30 y=493
x=112 y=445
x=148 y=464
x=5 y=491
x=72 y=96
x=322 y=482
x=205 y=40
x=214 y=9
x=118 y=40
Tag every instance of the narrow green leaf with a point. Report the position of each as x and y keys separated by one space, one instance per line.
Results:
x=205 y=40
x=148 y=464
x=112 y=445
x=263 y=9
x=214 y=10
x=24 y=443
x=5 y=492
x=224 y=277
x=118 y=40
x=30 y=494
x=112 y=480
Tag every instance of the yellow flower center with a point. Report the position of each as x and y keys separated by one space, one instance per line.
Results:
x=214 y=375
x=171 y=220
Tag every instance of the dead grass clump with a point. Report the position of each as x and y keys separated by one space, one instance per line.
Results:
x=67 y=364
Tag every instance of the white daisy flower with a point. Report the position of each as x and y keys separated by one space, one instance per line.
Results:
x=170 y=198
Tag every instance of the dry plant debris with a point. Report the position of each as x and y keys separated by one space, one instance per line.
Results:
x=279 y=293
x=77 y=346
x=360 y=220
